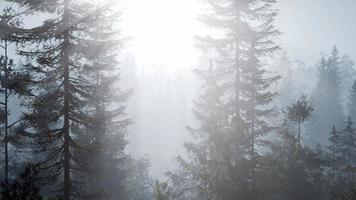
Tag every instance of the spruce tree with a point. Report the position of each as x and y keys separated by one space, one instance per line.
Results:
x=348 y=75
x=256 y=97
x=294 y=171
x=326 y=101
x=348 y=152
x=13 y=80
x=299 y=112
x=75 y=44
x=233 y=108
x=106 y=133
x=342 y=153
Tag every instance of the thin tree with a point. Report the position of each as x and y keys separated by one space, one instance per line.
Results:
x=12 y=80
x=334 y=139
x=299 y=112
x=352 y=102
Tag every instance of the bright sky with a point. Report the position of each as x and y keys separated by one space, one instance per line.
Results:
x=162 y=34
x=310 y=27
x=162 y=31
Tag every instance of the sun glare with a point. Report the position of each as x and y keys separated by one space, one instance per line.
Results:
x=163 y=31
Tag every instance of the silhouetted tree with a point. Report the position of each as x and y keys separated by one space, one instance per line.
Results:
x=25 y=187
x=12 y=78
x=72 y=63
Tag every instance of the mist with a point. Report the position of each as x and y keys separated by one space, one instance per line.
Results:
x=186 y=100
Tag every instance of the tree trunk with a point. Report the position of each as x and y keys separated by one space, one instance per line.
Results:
x=6 y=116
x=66 y=128
x=299 y=132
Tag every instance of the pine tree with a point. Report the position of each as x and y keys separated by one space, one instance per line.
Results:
x=74 y=54
x=108 y=128
x=348 y=75
x=333 y=152
x=326 y=101
x=255 y=95
x=294 y=171
x=342 y=153
x=348 y=152
x=13 y=81
x=299 y=112
x=235 y=102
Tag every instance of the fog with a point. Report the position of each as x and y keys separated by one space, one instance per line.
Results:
x=178 y=99
x=165 y=86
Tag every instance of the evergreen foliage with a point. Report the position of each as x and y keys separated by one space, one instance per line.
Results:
x=326 y=100
x=25 y=187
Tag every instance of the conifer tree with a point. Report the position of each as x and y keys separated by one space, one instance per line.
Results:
x=333 y=152
x=24 y=187
x=235 y=101
x=299 y=112
x=13 y=80
x=326 y=101
x=255 y=94
x=348 y=152
x=75 y=44
x=342 y=153
x=106 y=134
x=294 y=171
x=348 y=75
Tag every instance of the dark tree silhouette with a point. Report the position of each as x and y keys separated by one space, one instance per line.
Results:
x=72 y=68
x=25 y=187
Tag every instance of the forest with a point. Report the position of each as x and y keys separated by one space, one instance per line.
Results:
x=80 y=120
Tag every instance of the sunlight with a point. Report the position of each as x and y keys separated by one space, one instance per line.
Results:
x=163 y=31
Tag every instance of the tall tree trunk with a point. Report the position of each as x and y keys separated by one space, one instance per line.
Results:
x=6 y=115
x=238 y=80
x=299 y=124
x=253 y=127
x=66 y=130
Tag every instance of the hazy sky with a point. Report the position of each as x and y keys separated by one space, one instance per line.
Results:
x=162 y=38
x=313 y=26
x=163 y=29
